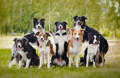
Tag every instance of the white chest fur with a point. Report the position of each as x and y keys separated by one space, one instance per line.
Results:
x=23 y=54
x=60 y=40
x=75 y=49
x=92 y=49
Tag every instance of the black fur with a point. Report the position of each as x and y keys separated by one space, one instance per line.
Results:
x=60 y=25
x=31 y=52
x=80 y=20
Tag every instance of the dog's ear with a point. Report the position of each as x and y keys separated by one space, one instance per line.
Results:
x=71 y=31
x=56 y=23
x=75 y=17
x=25 y=40
x=15 y=39
x=35 y=20
x=65 y=23
x=37 y=33
x=84 y=17
x=47 y=34
x=42 y=20
x=82 y=31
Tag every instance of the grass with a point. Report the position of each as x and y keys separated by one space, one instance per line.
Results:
x=110 y=70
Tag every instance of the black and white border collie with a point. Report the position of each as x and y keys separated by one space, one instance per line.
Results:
x=25 y=54
x=39 y=26
x=92 y=50
x=81 y=23
x=60 y=38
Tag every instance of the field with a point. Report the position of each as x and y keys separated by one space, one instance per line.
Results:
x=110 y=70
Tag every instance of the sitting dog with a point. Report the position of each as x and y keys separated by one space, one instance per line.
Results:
x=60 y=38
x=74 y=46
x=46 y=48
x=80 y=23
x=38 y=27
x=25 y=53
x=93 y=48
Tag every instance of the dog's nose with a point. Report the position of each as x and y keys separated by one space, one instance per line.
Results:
x=42 y=39
x=79 y=22
x=39 y=27
x=77 y=38
x=19 y=46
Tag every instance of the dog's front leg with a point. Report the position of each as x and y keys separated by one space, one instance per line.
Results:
x=49 y=60
x=12 y=62
x=28 y=63
x=77 y=60
x=41 y=60
x=70 y=61
x=87 y=61
x=20 y=63
x=94 y=64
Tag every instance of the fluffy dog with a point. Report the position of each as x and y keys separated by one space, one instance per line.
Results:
x=92 y=49
x=46 y=48
x=26 y=53
x=74 y=46
x=60 y=38
x=80 y=23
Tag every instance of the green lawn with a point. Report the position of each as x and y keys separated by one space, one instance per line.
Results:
x=110 y=70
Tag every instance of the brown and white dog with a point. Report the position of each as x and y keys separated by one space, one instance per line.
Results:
x=74 y=46
x=46 y=48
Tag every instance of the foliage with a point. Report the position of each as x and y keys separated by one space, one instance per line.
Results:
x=16 y=15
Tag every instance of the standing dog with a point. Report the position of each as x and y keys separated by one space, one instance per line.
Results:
x=74 y=46
x=92 y=49
x=46 y=48
x=80 y=23
x=26 y=53
x=60 y=38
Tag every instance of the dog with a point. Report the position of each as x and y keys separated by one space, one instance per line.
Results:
x=60 y=38
x=80 y=23
x=92 y=49
x=46 y=48
x=38 y=26
x=25 y=53
x=74 y=46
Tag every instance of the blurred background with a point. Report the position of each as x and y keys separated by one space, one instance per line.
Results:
x=16 y=15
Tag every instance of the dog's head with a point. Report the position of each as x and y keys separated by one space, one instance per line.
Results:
x=79 y=20
x=94 y=38
x=39 y=24
x=60 y=25
x=77 y=34
x=42 y=36
x=20 y=43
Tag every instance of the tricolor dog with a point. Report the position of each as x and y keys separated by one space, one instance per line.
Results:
x=80 y=23
x=27 y=54
x=74 y=46
x=92 y=49
x=60 y=38
x=46 y=48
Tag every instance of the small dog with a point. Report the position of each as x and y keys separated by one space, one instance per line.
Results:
x=46 y=48
x=25 y=54
x=93 y=48
x=80 y=23
x=74 y=46
x=60 y=38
